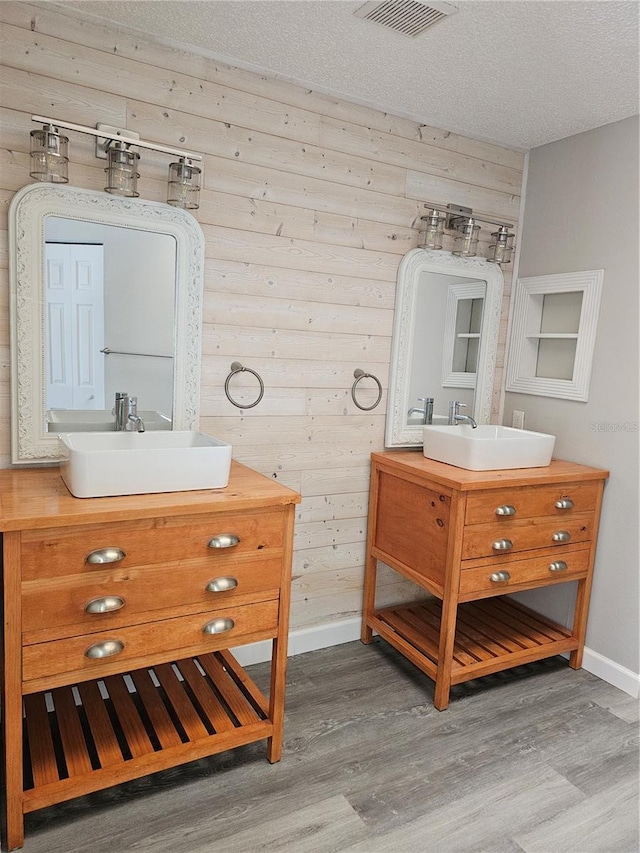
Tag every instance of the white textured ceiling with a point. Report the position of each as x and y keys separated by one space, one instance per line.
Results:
x=517 y=72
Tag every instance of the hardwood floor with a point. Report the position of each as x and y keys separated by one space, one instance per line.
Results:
x=540 y=759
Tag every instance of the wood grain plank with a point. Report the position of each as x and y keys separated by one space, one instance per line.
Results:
x=158 y=714
x=243 y=678
x=182 y=705
x=234 y=698
x=74 y=745
x=104 y=736
x=43 y=760
x=203 y=694
x=128 y=717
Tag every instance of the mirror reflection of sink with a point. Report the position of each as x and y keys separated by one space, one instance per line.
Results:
x=416 y=420
x=97 y=420
x=488 y=447
x=98 y=464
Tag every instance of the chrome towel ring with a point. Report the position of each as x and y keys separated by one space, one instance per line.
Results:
x=236 y=367
x=359 y=375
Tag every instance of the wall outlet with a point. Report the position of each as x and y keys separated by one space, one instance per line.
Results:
x=517 y=421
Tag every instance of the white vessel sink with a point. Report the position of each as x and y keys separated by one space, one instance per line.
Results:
x=97 y=420
x=487 y=447
x=98 y=464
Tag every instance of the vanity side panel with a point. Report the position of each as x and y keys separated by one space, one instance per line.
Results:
x=417 y=539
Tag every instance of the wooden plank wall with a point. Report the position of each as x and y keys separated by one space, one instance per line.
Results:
x=309 y=204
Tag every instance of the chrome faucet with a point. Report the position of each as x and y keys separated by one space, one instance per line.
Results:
x=455 y=417
x=125 y=413
x=132 y=422
x=426 y=412
x=118 y=411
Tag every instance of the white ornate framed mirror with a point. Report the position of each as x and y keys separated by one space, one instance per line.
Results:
x=136 y=325
x=445 y=338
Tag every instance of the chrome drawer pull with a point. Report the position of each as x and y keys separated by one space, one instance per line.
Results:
x=105 y=555
x=105 y=649
x=218 y=626
x=502 y=545
x=564 y=503
x=221 y=584
x=104 y=605
x=224 y=540
x=500 y=577
x=507 y=509
x=558 y=566
x=561 y=536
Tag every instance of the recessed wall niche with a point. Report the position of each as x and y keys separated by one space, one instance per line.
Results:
x=553 y=334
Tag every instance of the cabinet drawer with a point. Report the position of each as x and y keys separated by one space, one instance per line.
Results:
x=538 y=570
x=156 y=641
x=120 y=597
x=531 y=501
x=483 y=540
x=64 y=551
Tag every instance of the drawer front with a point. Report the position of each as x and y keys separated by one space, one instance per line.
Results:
x=538 y=570
x=64 y=551
x=507 y=505
x=94 y=600
x=158 y=641
x=496 y=539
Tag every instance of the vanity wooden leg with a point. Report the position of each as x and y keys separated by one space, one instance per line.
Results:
x=11 y=705
x=583 y=594
x=368 y=598
x=445 y=653
x=371 y=563
x=14 y=818
x=276 y=699
x=580 y=621
x=279 y=648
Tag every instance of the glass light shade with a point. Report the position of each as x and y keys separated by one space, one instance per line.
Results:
x=465 y=243
x=434 y=230
x=49 y=160
x=122 y=174
x=184 y=185
x=501 y=246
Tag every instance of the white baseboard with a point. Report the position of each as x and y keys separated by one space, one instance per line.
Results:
x=303 y=640
x=347 y=630
x=611 y=672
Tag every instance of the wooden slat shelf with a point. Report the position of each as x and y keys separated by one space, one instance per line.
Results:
x=491 y=635
x=88 y=736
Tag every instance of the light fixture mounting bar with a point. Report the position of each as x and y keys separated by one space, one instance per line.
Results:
x=454 y=212
x=118 y=136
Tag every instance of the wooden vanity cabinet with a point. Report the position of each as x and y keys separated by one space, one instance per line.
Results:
x=118 y=618
x=467 y=538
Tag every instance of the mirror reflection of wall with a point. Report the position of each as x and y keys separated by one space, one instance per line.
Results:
x=444 y=316
x=135 y=319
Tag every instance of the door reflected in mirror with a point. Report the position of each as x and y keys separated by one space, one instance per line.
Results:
x=444 y=342
x=110 y=312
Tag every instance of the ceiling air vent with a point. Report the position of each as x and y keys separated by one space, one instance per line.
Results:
x=405 y=16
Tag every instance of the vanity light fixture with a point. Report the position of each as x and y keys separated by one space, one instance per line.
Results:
x=120 y=148
x=501 y=246
x=434 y=230
x=184 y=184
x=122 y=171
x=465 y=243
x=49 y=160
x=464 y=225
